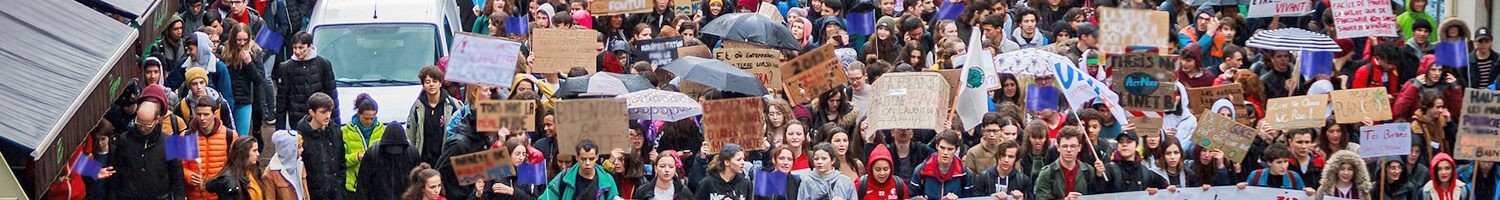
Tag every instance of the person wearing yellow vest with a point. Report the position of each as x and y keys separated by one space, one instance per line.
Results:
x=213 y=148
x=364 y=131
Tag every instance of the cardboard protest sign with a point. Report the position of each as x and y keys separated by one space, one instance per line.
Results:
x=1217 y=131
x=1147 y=81
x=659 y=51
x=517 y=115
x=1288 y=113
x=601 y=120
x=1363 y=18
x=1479 y=128
x=764 y=63
x=1200 y=98
x=482 y=59
x=557 y=50
x=1354 y=105
x=483 y=165
x=910 y=100
x=1284 y=8
x=1147 y=126
x=1385 y=140
x=1119 y=29
x=738 y=120
x=811 y=74
x=700 y=51
x=617 y=7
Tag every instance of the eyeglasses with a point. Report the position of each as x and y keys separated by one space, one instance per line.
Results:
x=1069 y=146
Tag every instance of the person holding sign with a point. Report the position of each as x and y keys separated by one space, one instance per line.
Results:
x=464 y=140
x=585 y=180
x=1483 y=178
x=1069 y=178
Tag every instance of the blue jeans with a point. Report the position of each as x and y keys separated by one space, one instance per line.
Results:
x=242 y=121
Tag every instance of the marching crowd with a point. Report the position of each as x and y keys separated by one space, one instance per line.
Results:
x=204 y=78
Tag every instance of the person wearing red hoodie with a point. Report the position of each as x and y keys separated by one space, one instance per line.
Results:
x=1381 y=72
x=1444 y=184
x=880 y=183
x=1434 y=77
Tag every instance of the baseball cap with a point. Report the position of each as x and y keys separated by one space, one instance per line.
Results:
x=1482 y=33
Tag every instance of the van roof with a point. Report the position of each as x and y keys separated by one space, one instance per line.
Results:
x=377 y=11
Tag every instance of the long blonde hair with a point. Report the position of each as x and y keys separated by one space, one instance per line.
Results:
x=232 y=48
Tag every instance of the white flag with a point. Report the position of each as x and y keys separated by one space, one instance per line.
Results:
x=977 y=78
x=1079 y=88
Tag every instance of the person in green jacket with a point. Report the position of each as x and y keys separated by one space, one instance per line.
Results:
x=1415 y=10
x=585 y=180
x=358 y=136
x=1085 y=179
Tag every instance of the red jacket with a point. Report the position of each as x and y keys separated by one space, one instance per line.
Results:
x=1364 y=77
x=1410 y=98
x=881 y=190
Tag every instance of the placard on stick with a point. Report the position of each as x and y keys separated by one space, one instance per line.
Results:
x=483 y=165
x=764 y=63
x=517 y=115
x=1385 y=140
x=1363 y=18
x=1200 y=98
x=1146 y=80
x=700 y=51
x=1147 y=126
x=738 y=120
x=1479 y=128
x=482 y=59
x=910 y=100
x=557 y=50
x=1288 y=113
x=601 y=120
x=1353 y=106
x=1119 y=29
x=617 y=7
x=1284 y=8
x=1217 y=131
x=811 y=74
x=659 y=51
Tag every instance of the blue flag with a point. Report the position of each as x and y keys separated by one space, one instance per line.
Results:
x=1040 y=98
x=770 y=183
x=173 y=145
x=533 y=174
x=1453 y=54
x=268 y=39
x=517 y=25
x=190 y=147
x=1317 y=62
x=948 y=10
x=861 y=23
x=86 y=166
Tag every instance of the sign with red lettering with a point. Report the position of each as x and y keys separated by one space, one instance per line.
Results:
x=1284 y=8
x=1363 y=18
x=1478 y=135
x=517 y=115
x=617 y=7
x=809 y=75
x=483 y=165
x=483 y=59
x=1385 y=140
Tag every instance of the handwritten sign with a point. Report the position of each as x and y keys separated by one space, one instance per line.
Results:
x=617 y=7
x=1288 y=113
x=739 y=121
x=1120 y=29
x=557 y=50
x=1479 y=128
x=1215 y=193
x=659 y=51
x=1363 y=18
x=811 y=74
x=483 y=165
x=482 y=59
x=601 y=120
x=1147 y=81
x=1284 y=8
x=764 y=63
x=1147 y=126
x=1200 y=98
x=517 y=115
x=1385 y=140
x=1352 y=106
x=910 y=100
x=1217 y=131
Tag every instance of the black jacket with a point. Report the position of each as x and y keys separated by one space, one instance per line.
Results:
x=908 y=165
x=296 y=80
x=1130 y=176
x=250 y=88
x=229 y=188
x=522 y=192
x=984 y=183
x=464 y=141
x=384 y=167
x=144 y=172
x=323 y=156
x=648 y=191
x=715 y=187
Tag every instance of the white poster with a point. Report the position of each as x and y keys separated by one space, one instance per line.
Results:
x=1213 y=193
x=1385 y=140
x=482 y=59
x=1284 y=8
x=1362 y=18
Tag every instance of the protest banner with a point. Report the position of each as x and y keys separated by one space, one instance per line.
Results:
x=482 y=59
x=1363 y=18
x=700 y=51
x=1385 y=140
x=1284 y=8
x=1213 y=193
x=1148 y=81
x=738 y=120
x=910 y=100
x=659 y=51
x=811 y=74
x=557 y=50
x=1354 y=105
x=601 y=120
x=764 y=63
x=1200 y=98
x=483 y=165
x=617 y=7
x=1289 y=113
x=517 y=115
x=1120 y=29
x=1479 y=128
x=1146 y=126
x=1217 y=131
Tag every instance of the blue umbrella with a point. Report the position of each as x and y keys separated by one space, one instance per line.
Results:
x=717 y=74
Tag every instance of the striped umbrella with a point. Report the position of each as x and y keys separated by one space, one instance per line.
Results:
x=1293 y=39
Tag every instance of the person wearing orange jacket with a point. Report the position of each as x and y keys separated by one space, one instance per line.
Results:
x=213 y=148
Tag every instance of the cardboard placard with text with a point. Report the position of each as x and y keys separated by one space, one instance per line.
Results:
x=618 y=7
x=909 y=100
x=482 y=59
x=808 y=76
x=694 y=51
x=1385 y=140
x=1354 y=105
x=1217 y=131
x=1289 y=113
x=1120 y=29
x=1200 y=98
x=557 y=50
x=517 y=115
x=738 y=120
x=602 y=120
x=483 y=165
x=764 y=63
x=1145 y=82
x=1147 y=126
x=1479 y=128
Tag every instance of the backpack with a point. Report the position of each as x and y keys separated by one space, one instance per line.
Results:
x=864 y=181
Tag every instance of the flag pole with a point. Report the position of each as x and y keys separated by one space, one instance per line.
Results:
x=1097 y=156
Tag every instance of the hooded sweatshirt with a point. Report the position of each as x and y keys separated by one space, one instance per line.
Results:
x=1406 y=19
x=218 y=72
x=875 y=189
x=1454 y=190
x=816 y=185
x=391 y=154
x=286 y=167
x=935 y=183
x=1037 y=38
x=715 y=187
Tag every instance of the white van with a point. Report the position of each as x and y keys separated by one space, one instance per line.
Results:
x=378 y=46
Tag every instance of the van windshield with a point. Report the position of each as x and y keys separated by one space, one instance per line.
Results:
x=377 y=54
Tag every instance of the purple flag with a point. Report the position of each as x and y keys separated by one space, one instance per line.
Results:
x=948 y=10
x=770 y=183
x=533 y=174
x=86 y=166
x=1453 y=54
x=517 y=25
x=1041 y=98
x=861 y=23
x=1317 y=62
x=268 y=39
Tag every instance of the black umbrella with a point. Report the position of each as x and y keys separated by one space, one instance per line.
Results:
x=602 y=84
x=752 y=28
x=717 y=74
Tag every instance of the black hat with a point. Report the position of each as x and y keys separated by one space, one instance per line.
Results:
x=1086 y=29
x=1130 y=134
x=1482 y=33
